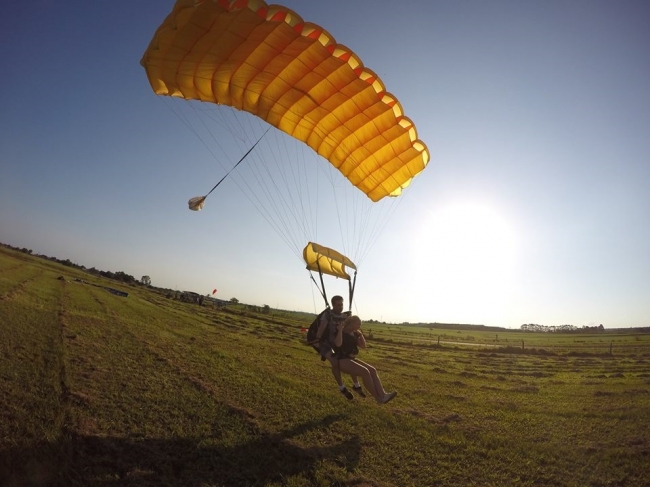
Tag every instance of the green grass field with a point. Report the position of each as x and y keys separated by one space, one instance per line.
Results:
x=97 y=389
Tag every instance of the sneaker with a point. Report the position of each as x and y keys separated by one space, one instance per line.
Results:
x=346 y=393
x=389 y=397
x=359 y=390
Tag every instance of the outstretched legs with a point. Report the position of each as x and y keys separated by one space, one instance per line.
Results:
x=336 y=372
x=369 y=377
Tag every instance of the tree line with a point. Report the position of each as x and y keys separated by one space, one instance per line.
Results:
x=561 y=328
x=116 y=276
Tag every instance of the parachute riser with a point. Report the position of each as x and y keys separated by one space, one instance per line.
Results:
x=351 y=284
x=321 y=289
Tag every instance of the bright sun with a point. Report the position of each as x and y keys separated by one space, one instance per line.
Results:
x=466 y=254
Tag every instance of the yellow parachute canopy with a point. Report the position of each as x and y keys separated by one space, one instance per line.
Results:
x=327 y=261
x=266 y=60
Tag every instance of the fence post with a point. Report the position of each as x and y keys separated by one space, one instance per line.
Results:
x=522 y=344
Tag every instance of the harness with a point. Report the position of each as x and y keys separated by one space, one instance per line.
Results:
x=329 y=335
x=348 y=349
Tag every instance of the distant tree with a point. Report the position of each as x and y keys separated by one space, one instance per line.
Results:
x=124 y=277
x=146 y=280
x=267 y=309
x=234 y=300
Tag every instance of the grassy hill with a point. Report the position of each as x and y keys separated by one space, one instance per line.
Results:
x=99 y=389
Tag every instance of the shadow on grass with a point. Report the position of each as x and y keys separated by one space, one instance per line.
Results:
x=111 y=461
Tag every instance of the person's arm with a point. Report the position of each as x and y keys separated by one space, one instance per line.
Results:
x=338 y=341
x=361 y=340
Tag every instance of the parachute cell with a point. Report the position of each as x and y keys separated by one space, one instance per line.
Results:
x=292 y=74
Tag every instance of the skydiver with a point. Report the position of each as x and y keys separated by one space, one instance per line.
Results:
x=326 y=335
x=331 y=336
x=349 y=338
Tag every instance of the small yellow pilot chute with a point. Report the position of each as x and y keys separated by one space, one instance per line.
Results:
x=328 y=261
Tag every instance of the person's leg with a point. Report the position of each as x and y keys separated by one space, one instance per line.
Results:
x=374 y=375
x=377 y=382
x=356 y=387
x=336 y=372
x=326 y=353
x=353 y=368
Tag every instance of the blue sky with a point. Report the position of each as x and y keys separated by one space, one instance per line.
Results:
x=534 y=208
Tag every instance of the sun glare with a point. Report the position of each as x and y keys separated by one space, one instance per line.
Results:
x=466 y=255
